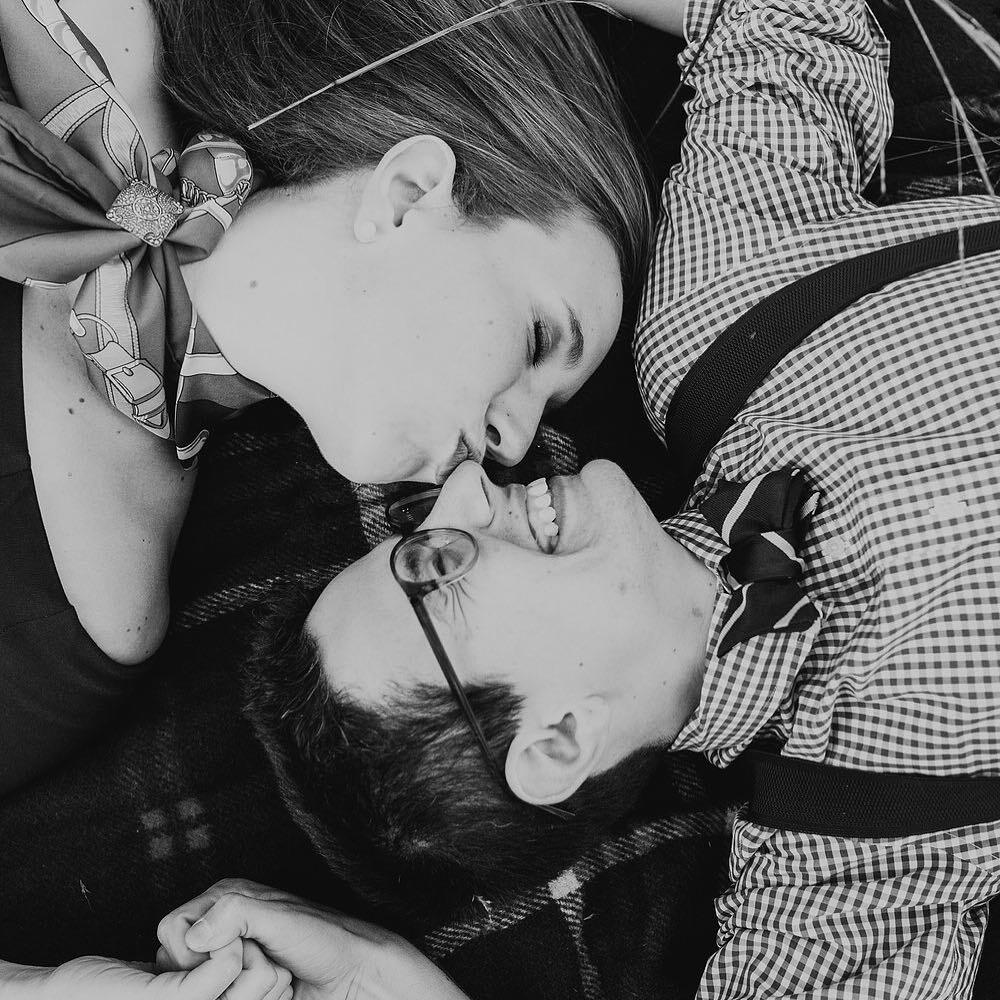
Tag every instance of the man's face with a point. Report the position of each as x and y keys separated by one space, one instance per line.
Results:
x=597 y=615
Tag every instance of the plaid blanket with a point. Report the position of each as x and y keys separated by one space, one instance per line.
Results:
x=178 y=794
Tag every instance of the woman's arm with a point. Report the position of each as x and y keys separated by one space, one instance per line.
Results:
x=667 y=15
x=22 y=982
x=93 y=978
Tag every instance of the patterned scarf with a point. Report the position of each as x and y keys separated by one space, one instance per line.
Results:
x=80 y=194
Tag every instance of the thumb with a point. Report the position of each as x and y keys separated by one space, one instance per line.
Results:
x=212 y=978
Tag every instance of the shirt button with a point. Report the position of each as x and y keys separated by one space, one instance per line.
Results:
x=835 y=548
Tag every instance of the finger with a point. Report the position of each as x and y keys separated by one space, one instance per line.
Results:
x=212 y=978
x=141 y=967
x=236 y=916
x=283 y=986
x=174 y=926
x=259 y=977
x=171 y=930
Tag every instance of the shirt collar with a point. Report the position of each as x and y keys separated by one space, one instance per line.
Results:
x=749 y=691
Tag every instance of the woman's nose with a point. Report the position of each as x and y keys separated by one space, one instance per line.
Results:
x=511 y=423
x=463 y=502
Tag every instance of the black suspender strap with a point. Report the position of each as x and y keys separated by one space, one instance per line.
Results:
x=788 y=793
x=800 y=795
x=720 y=382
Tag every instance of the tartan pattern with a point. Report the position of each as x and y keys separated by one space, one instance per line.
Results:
x=890 y=410
x=178 y=794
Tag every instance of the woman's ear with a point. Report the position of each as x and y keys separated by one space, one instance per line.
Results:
x=417 y=172
x=546 y=764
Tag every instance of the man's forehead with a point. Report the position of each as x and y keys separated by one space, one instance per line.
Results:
x=366 y=631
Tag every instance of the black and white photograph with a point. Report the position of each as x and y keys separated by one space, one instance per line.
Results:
x=499 y=499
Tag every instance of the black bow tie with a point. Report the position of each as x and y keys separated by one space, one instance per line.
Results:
x=763 y=522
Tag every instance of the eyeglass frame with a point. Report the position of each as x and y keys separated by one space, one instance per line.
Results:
x=416 y=592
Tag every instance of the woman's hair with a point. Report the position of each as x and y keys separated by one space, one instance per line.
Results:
x=523 y=99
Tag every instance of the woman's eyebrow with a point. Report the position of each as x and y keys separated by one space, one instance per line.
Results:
x=576 y=345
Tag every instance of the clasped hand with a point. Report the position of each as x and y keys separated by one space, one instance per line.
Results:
x=243 y=941
x=295 y=948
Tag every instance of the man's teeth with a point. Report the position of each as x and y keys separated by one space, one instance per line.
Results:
x=541 y=513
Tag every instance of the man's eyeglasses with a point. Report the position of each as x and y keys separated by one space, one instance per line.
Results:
x=429 y=560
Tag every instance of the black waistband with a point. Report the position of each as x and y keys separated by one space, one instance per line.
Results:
x=804 y=796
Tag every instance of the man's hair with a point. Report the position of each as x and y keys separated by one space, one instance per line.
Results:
x=397 y=798
x=524 y=100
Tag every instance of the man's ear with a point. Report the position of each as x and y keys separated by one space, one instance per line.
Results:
x=546 y=764
x=419 y=171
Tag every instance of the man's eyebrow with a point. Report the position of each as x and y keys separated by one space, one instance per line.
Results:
x=576 y=345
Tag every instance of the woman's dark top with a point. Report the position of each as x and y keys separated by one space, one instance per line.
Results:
x=56 y=686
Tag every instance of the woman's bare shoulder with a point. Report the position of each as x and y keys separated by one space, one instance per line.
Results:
x=126 y=35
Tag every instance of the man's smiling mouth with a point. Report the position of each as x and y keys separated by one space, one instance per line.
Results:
x=542 y=515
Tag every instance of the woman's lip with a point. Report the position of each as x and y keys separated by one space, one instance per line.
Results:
x=464 y=452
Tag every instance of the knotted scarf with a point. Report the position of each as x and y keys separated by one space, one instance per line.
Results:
x=80 y=194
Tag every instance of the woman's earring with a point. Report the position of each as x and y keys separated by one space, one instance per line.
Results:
x=365 y=231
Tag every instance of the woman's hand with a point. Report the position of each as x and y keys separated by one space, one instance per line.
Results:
x=93 y=978
x=331 y=956
x=667 y=15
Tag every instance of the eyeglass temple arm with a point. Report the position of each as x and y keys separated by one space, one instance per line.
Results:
x=430 y=631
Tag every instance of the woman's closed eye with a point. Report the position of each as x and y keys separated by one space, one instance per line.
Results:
x=541 y=342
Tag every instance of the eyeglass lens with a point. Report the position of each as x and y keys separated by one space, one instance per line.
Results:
x=438 y=556
x=408 y=512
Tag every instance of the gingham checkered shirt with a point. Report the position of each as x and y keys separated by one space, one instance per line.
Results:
x=891 y=411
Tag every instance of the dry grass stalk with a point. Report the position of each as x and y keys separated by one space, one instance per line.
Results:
x=961 y=117
x=500 y=8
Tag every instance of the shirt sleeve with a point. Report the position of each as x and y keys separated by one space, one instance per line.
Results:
x=789 y=118
x=828 y=917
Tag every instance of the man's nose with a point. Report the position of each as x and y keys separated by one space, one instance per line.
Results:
x=463 y=502
x=511 y=423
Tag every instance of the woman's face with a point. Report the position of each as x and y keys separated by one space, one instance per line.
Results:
x=408 y=337
x=461 y=338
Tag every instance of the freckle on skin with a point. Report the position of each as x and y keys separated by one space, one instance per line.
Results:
x=82 y=400
x=69 y=409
